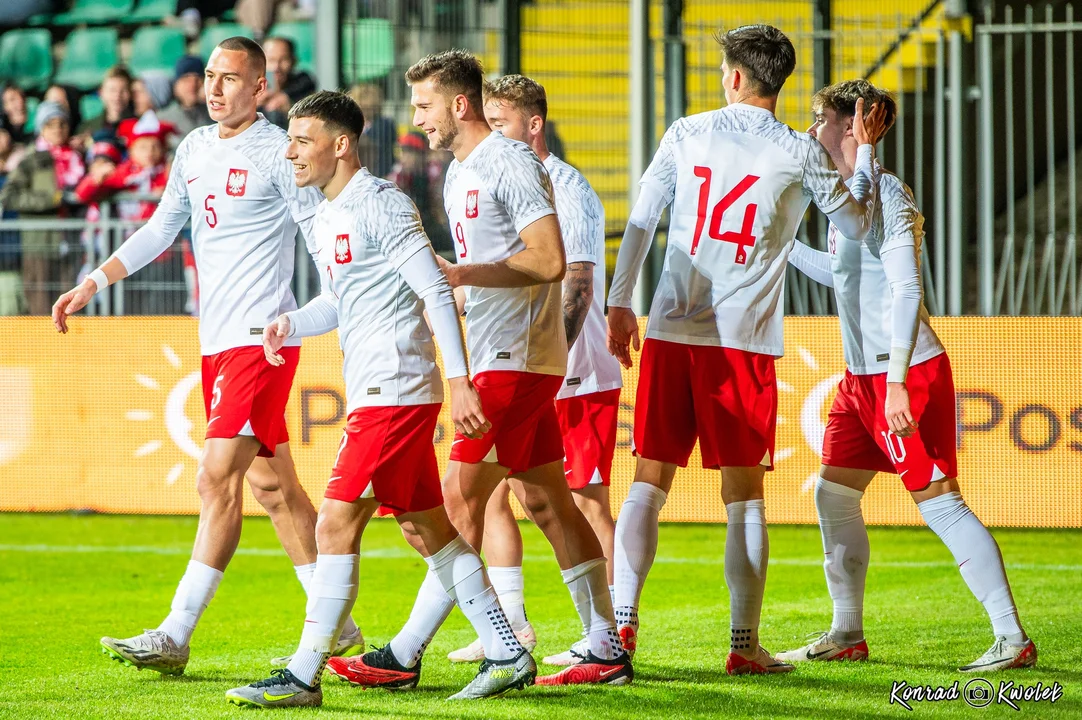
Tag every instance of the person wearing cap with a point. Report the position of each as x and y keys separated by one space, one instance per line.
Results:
x=189 y=107
x=36 y=189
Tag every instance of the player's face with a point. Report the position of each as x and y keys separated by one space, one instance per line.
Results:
x=232 y=86
x=508 y=120
x=432 y=113
x=311 y=149
x=830 y=129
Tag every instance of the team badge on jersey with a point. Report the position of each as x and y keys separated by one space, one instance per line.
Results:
x=342 y=254
x=471 y=204
x=237 y=182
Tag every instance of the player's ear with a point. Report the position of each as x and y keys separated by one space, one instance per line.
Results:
x=459 y=106
x=536 y=124
x=343 y=146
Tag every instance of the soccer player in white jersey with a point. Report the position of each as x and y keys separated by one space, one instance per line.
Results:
x=511 y=259
x=379 y=276
x=588 y=403
x=234 y=183
x=739 y=182
x=895 y=408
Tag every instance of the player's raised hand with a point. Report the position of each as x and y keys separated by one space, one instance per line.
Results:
x=867 y=130
x=72 y=301
x=274 y=337
x=466 y=413
x=899 y=415
x=623 y=334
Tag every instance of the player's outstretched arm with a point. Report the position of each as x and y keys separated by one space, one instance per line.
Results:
x=813 y=263
x=79 y=296
x=543 y=261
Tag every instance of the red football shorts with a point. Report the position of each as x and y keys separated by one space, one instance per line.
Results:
x=588 y=426
x=387 y=454
x=726 y=398
x=525 y=432
x=857 y=435
x=245 y=395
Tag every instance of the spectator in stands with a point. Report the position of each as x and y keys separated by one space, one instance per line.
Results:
x=68 y=98
x=192 y=13
x=36 y=188
x=378 y=129
x=12 y=298
x=115 y=94
x=285 y=84
x=414 y=175
x=13 y=117
x=151 y=91
x=189 y=107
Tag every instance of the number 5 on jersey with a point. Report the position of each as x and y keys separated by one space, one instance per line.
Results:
x=743 y=239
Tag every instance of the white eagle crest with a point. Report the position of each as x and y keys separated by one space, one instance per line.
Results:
x=341 y=249
x=237 y=179
x=471 y=203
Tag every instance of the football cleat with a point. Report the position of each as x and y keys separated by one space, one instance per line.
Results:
x=347 y=646
x=763 y=663
x=569 y=657
x=825 y=648
x=153 y=650
x=475 y=651
x=1004 y=656
x=629 y=638
x=281 y=689
x=377 y=668
x=592 y=670
x=496 y=677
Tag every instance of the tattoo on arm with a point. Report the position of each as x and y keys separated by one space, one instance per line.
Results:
x=578 y=294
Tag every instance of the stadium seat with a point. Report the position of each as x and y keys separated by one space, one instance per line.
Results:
x=303 y=36
x=90 y=52
x=367 y=50
x=90 y=106
x=214 y=34
x=151 y=11
x=31 y=109
x=91 y=12
x=156 y=48
x=26 y=58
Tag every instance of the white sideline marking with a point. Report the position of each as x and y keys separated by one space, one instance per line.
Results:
x=395 y=553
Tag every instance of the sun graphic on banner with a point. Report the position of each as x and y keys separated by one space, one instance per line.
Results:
x=178 y=425
x=812 y=426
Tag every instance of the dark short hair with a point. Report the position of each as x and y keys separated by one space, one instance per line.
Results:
x=339 y=113
x=455 y=72
x=290 y=45
x=763 y=53
x=519 y=92
x=239 y=43
x=118 y=71
x=842 y=98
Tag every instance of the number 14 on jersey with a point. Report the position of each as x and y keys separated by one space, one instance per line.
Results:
x=743 y=239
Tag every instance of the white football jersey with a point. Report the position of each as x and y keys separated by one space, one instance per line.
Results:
x=861 y=286
x=498 y=190
x=245 y=209
x=362 y=237
x=590 y=366
x=739 y=181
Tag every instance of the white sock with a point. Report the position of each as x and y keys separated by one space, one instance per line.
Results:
x=331 y=594
x=846 y=552
x=588 y=585
x=635 y=548
x=305 y=574
x=746 y=553
x=431 y=608
x=194 y=593
x=509 y=585
x=978 y=558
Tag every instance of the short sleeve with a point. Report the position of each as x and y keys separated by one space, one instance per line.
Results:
x=661 y=172
x=391 y=224
x=902 y=221
x=522 y=186
x=175 y=194
x=822 y=181
x=578 y=221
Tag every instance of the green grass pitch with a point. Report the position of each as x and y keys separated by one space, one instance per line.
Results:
x=67 y=580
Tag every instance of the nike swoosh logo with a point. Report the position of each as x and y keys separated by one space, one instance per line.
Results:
x=456 y=442
x=812 y=656
x=275 y=698
x=336 y=477
x=902 y=473
x=605 y=673
x=212 y=420
x=193 y=179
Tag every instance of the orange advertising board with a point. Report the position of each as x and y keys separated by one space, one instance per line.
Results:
x=110 y=418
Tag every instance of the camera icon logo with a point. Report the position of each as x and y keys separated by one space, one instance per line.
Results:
x=978 y=693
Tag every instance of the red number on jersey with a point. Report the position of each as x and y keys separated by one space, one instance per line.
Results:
x=212 y=218
x=460 y=235
x=742 y=239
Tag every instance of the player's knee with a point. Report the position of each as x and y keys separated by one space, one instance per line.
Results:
x=215 y=489
x=271 y=498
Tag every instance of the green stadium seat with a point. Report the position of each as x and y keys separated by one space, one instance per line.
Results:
x=90 y=52
x=303 y=36
x=90 y=106
x=94 y=12
x=214 y=34
x=151 y=11
x=156 y=48
x=367 y=50
x=31 y=109
x=26 y=58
